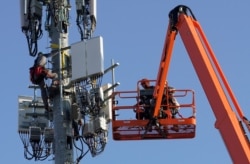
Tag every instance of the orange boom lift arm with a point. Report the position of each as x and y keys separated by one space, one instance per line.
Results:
x=230 y=120
x=229 y=116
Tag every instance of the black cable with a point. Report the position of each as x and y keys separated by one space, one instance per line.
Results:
x=33 y=32
x=81 y=139
x=32 y=50
x=78 y=23
x=83 y=155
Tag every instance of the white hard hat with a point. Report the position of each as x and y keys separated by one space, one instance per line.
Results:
x=41 y=60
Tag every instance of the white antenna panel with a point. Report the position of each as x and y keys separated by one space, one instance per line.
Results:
x=88 y=129
x=24 y=14
x=87 y=58
x=100 y=124
x=108 y=103
x=93 y=8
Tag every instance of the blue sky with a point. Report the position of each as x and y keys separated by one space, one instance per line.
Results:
x=134 y=33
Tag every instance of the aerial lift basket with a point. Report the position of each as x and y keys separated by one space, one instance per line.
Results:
x=126 y=127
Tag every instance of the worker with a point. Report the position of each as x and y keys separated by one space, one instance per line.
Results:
x=173 y=103
x=145 y=83
x=38 y=74
x=174 y=106
x=146 y=100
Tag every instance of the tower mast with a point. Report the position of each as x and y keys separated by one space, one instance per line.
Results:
x=61 y=105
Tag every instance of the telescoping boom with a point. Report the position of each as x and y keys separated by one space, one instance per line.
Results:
x=230 y=119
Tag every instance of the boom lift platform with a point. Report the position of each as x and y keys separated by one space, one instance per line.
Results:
x=230 y=119
x=126 y=128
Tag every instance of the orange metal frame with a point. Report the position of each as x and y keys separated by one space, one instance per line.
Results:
x=229 y=116
x=214 y=83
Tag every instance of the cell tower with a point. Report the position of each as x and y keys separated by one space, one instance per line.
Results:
x=81 y=104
